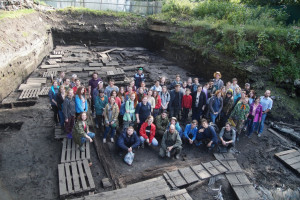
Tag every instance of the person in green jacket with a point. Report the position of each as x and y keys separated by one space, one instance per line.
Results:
x=81 y=131
x=101 y=101
x=129 y=116
x=171 y=143
x=239 y=115
x=161 y=123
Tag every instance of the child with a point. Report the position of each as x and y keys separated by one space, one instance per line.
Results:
x=186 y=104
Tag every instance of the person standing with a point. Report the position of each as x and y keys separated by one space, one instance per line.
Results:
x=81 y=131
x=234 y=85
x=171 y=143
x=186 y=105
x=165 y=98
x=176 y=82
x=60 y=100
x=227 y=107
x=69 y=112
x=142 y=111
x=151 y=100
x=81 y=104
x=156 y=87
x=255 y=115
x=73 y=81
x=53 y=100
x=198 y=103
x=129 y=116
x=175 y=102
x=267 y=104
x=111 y=113
x=218 y=83
x=157 y=107
x=101 y=101
x=139 y=77
x=93 y=83
x=111 y=87
x=216 y=106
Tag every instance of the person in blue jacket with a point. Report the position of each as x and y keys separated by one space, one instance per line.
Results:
x=80 y=101
x=206 y=133
x=53 y=100
x=128 y=140
x=190 y=132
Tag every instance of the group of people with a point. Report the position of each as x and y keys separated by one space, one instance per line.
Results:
x=155 y=115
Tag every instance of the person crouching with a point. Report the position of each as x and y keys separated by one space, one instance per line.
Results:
x=128 y=140
x=147 y=132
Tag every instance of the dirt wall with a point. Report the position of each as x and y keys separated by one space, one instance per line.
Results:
x=24 y=42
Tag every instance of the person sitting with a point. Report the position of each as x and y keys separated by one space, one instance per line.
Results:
x=171 y=143
x=128 y=140
x=206 y=133
x=81 y=131
x=190 y=131
x=147 y=132
x=227 y=136
x=177 y=126
x=111 y=113
x=161 y=123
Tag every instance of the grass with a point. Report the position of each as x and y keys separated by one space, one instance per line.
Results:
x=15 y=14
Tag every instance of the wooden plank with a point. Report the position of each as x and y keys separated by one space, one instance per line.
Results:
x=95 y=64
x=74 y=69
x=187 y=196
x=63 y=151
x=62 y=180
x=68 y=149
x=285 y=152
x=92 y=68
x=78 y=152
x=292 y=160
x=210 y=168
x=252 y=193
x=36 y=80
x=242 y=178
x=296 y=166
x=69 y=178
x=82 y=176
x=73 y=151
x=49 y=66
x=290 y=155
x=29 y=86
x=175 y=193
x=189 y=175
x=112 y=63
x=177 y=178
x=87 y=150
x=55 y=56
x=82 y=154
x=168 y=179
x=88 y=174
x=201 y=172
x=75 y=177
x=220 y=167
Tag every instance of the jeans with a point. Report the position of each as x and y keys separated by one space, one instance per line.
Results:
x=61 y=118
x=107 y=129
x=156 y=112
x=126 y=124
x=175 y=112
x=70 y=124
x=252 y=126
x=185 y=114
x=261 y=126
x=224 y=118
x=90 y=134
x=154 y=141
x=196 y=113
x=55 y=110
x=213 y=117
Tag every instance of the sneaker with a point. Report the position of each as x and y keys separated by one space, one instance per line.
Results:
x=177 y=156
x=259 y=135
x=81 y=149
x=244 y=129
x=112 y=140
x=104 y=140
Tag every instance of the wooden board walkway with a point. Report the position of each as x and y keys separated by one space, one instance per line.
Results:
x=49 y=66
x=188 y=175
x=30 y=93
x=58 y=52
x=36 y=80
x=44 y=91
x=59 y=133
x=70 y=151
x=239 y=182
x=30 y=86
x=178 y=195
x=92 y=68
x=150 y=189
x=75 y=177
x=95 y=64
x=74 y=69
x=55 y=56
x=49 y=74
x=291 y=158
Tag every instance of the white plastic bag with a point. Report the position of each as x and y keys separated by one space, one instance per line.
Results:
x=129 y=158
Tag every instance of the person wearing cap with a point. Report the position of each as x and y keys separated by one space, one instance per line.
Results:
x=227 y=107
x=176 y=82
x=171 y=143
x=161 y=122
x=247 y=88
x=175 y=102
x=218 y=83
x=101 y=101
x=177 y=126
x=93 y=83
x=110 y=88
x=139 y=77
x=74 y=77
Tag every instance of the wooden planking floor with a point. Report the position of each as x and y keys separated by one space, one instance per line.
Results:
x=70 y=151
x=30 y=93
x=75 y=177
x=291 y=158
x=241 y=185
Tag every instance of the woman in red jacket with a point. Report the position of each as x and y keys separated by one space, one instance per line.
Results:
x=157 y=103
x=147 y=132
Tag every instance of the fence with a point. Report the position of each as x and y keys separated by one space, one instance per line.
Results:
x=140 y=7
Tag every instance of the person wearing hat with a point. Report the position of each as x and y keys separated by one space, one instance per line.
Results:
x=227 y=107
x=93 y=83
x=175 y=102
x=161 y=122
x=101 y=101
x=218 y=83
x=139 y=77
x=176 y=82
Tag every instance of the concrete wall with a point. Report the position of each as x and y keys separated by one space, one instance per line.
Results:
x=24 y=42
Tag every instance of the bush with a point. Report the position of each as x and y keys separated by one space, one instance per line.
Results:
x=176 y=7
x=262 y=61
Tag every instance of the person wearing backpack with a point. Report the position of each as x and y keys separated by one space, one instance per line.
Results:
x=227 y=136
x=142 y=111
